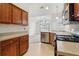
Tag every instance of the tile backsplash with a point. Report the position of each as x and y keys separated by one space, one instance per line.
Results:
x=4 y=28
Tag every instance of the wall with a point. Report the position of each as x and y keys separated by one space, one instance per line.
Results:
x=34 y=29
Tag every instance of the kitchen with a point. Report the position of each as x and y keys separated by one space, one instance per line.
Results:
x=25 y=24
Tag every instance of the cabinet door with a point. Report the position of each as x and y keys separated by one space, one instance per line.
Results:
x=45 y=37
x=16 y=15
x=0 y=48
x=52 y=37
x=23 y=44
x=10 y=49
x=5 y=13
x=76 y=11
x=24 y=18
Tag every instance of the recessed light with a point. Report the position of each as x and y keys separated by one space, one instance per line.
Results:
x=57 y=17
x=47 y=8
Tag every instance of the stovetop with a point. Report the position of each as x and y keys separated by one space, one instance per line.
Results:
x=71 y=38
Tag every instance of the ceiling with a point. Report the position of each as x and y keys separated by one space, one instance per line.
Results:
x=34 y=8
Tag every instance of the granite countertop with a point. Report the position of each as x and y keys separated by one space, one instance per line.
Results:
x=6 y=36
x=64 y=32
x=61 y=32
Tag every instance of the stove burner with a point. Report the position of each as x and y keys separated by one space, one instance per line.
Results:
x=67 y=38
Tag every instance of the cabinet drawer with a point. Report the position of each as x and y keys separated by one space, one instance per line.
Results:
x=7 y=42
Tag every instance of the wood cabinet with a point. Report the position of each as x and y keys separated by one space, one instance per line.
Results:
x=10 y=47
x=0 y=48
x=23 y=44
x=52 y=38
x=14 y=47
x=76 y=11
x=24 y=18
x=47 y=37
x=73 y=11
x=16 y=15
x=11 y=14
x=5 y=13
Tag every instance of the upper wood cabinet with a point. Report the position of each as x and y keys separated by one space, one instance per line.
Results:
x=11 y=14
x=16 y=15
x=73 y=11
x=5 y=13
x=76 y=9
x=24 y=18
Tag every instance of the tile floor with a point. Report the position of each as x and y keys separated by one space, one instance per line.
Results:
x=40 y=49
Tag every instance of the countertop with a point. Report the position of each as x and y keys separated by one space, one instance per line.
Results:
x=64 y=32
x=6 y=36
x=61 y=32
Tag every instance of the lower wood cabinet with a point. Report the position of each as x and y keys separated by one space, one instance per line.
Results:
x=0 y=48
x=14 y=47
x=10 y=47
x=47 y=37
x=52 y=37
x=23 y=44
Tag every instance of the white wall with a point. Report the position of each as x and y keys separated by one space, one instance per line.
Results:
x=34 y=28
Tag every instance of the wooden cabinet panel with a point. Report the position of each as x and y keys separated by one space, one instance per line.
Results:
x=76 y=9
x=5 y=13
x=45 y=37
x=16 y=15
x=23 y=44
x=24 y=18
x=14 y=47
x=52 y=37
x=10 y=13
x=9 y=41
x=10 y=49
x=0 y=48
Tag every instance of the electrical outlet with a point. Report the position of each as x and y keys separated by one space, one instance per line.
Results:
x=24 y=28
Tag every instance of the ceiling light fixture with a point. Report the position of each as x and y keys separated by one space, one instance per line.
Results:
x=57 y=17
x=47 y=8
x=42 y=7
